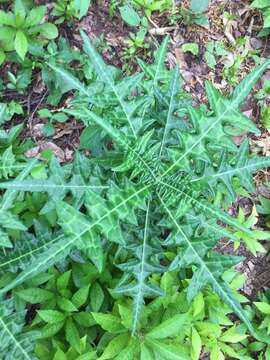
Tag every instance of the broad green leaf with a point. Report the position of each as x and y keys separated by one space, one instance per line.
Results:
x=63 y=280
x=51 y=316
x=84 y=319
x=80 y=296
x=96 y=297
x=66 y=305
x=82 y=7
x=168 y=352
x=260 y=4
x=199 y=5
x=263 y=307
x=168 y=328
x=191 y=47
x=59 y=355
x=7 y=18
x=35 y=16
x=196 y=344
x=21 y=44
x=51 y=329
x=146 y=353
x=115 y=346
x=130 y=352
x=72 y=335
x=108 y=322
x=71 y=82
x=129 y=15
x=48 y=31
x=232 y=336
x=35 y=295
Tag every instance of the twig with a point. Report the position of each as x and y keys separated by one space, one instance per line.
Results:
x=162 y=31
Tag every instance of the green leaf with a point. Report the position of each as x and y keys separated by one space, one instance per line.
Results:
x=115 y=346
x=191 y=47
x=169 y=328
x=21 y=44
x=2 y=59
x=168 y=352
x=59 y=355
x=210 y=59
x=78 y=227
x=225 y=110
x=196 y=344
x=7 y=18
x=96 y=297
x=82 y=7
x=72 y=335
x=260 y=4
x=35 y=16
x=129 y=15
x=35 y=295
x=51 y=316
x=80 y=296
x=130 y=352
x=70 y=80
x=63 y=280
x=13 y=340
x=51 y=329
x=109 y=322
x=263 y=307
x=48 y=31
x=146 y=353
x=66 y=305
x=84 y=319
x=199 y=6
x=232 y=336
x=208 y=273
x=103 y=71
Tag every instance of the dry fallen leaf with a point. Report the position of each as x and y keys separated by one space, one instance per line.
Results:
x=43 y=145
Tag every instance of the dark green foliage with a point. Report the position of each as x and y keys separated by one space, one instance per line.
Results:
x=145 y=199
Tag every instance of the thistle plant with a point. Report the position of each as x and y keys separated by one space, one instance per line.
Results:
x=147 y=197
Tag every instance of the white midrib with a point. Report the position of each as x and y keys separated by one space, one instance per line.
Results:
x=212 y=211
x=53 y=186
x=230 y=108
x=232 y=171
x=17 y=344
x=18 y=258
x=111 y=84
x=141 y=276
x=69 y=242
x=205 y=268
x=169 y=112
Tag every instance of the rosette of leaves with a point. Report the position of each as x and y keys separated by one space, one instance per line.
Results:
x=154 y=179
x=21 y=27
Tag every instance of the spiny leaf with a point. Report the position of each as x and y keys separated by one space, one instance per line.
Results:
x=208 y=273
x=15 y=344
x=242 y=91
x=104 y=73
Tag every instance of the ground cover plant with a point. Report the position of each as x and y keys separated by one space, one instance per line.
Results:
x=115 y=250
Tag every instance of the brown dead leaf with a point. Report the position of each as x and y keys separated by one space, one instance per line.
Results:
x=43 y=145
x=261 y=145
